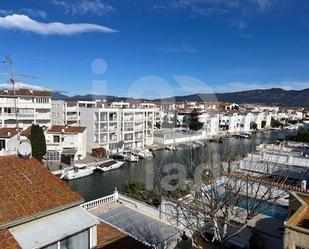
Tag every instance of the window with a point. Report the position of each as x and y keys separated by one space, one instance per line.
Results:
x=56 y=139
x=77 y=241
x=42 y=100
x=2 y=144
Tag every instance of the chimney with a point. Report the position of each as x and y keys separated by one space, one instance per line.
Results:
x=9 y=133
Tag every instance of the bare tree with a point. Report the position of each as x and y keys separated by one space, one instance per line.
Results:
x=220 y=202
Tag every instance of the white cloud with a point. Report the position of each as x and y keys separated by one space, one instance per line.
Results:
x=263 y=4
x=25 y=23
x=20 y=85
x=85 y=7
x=24 y=11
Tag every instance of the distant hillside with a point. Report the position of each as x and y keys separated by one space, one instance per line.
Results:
x=87 y=97
x=274 y=96
x=58 y=96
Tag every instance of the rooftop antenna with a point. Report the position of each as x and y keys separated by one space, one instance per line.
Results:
x=24 y=149
x=9 y=63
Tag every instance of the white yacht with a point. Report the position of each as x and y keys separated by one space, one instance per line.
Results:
x=127 y=156
x=171 y=147
x=144 y=153
x=78 y=171
x=110 y=165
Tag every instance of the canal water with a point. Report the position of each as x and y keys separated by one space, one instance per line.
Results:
x=100 y=184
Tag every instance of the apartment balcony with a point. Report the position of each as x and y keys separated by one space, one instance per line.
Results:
x=72 y=109
x=34 y=105
x=112 y=128
x=139 y=117
x=113 y=138
x=72 y=118
x=103 y=139
x=139 y=127
x=128 y=129
x=43 y=116
x=27 y=115
x=139 y=136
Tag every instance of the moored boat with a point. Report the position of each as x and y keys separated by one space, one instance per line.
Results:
x=126 y=156
x=171 y=147
x=110 y=165
x=78 y=171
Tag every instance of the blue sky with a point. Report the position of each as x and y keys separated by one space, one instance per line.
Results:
x=157 y=48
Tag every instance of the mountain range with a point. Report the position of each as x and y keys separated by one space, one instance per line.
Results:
x=273 y=96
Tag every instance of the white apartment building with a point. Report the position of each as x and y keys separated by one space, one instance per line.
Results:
x=211 y=122
x=58 y=112
x=232 y=122
x=65 y=140
x=118 y=129
x=33 y=106
x=66 y=112
x=262 y=119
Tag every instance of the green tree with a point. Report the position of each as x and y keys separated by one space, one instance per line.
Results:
x=275 y=123
x=253 y=125
x=38 y=142
x=194 y=123
x=301 y=136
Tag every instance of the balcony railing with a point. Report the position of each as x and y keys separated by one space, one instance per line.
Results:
x=71 y=118
x=101 y=201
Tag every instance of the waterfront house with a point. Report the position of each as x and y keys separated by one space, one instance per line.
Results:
x=66 y=140
x=8 y=141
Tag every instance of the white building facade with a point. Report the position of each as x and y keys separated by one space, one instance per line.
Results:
x=118 y=129
x=66 y=140
x=27 y=106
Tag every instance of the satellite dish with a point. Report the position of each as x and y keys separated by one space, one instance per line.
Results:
x=24 y=149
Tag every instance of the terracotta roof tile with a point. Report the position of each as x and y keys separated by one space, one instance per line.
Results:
x=7 y=240
x=25 y=92
x=66 y=129
x=7 y=132
x=111 y=238
x=28 y=190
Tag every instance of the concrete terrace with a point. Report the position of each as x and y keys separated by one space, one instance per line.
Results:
x=135 y=218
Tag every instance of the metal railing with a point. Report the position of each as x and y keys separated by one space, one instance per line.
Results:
x=101 y=201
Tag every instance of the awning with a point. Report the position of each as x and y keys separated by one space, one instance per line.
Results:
x=52 y=228
x=69 y=152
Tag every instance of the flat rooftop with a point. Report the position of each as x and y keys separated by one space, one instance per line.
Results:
x=140 y=225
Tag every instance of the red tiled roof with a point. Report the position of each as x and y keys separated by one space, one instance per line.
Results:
x=7 y=132
x=109 y=237
x=7 y=240
x=28 y=190
x=25 y=92
x=66 y=129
